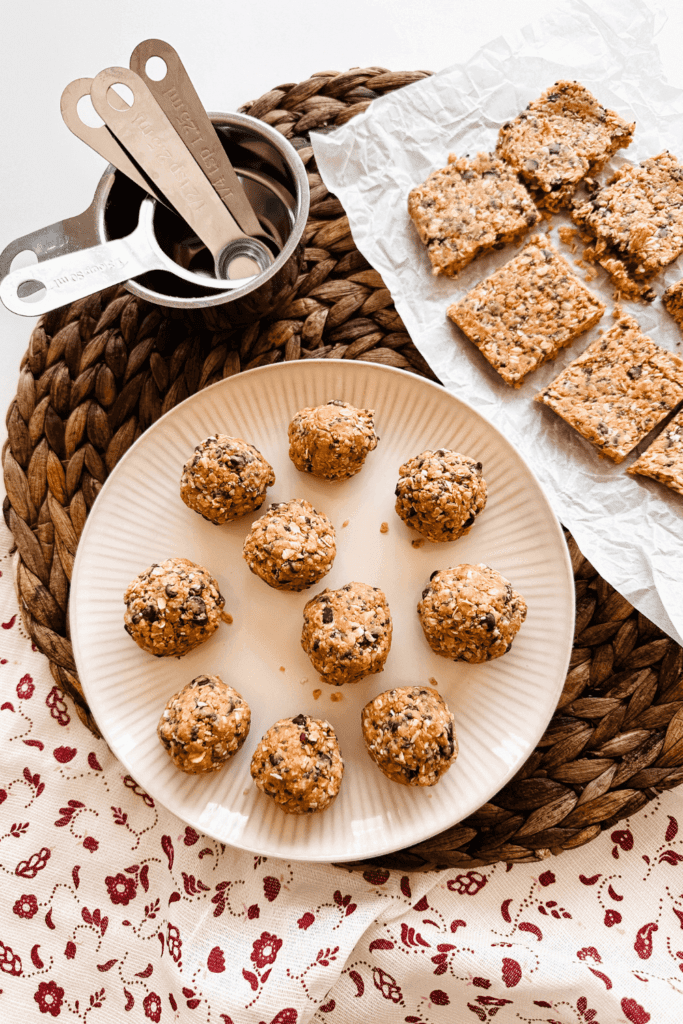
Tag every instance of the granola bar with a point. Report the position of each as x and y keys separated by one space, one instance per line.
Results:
x=559 y=139
x=529 y=309
x=638 y=214
x=469 y=207
x=673 y=302
x=663 y=460
x=621 y=387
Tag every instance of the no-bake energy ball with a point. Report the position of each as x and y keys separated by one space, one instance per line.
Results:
x=226 y=478
x=410 y=735
x=347 y=632
x=204 y=725
x=470 y=613
x=292 y=546
x=440 y=494
x=299 y=765
x=331 y=441
x=172 y=607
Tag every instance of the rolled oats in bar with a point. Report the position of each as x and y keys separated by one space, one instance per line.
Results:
x=638 y=214
x=529 y=309
x=621 y=387
x=467 y=208
x=663 y=459
x=559 y=139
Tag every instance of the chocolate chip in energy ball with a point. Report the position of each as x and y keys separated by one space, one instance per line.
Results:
x=172 y=607
x=204 y=725
x=225 y=478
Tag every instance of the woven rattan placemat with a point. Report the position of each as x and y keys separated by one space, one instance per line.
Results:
x=99 y=372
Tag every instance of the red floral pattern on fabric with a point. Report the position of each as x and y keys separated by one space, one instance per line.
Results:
x=120 y=889
x=26 y=906
x=49 y=997
x=265 y=949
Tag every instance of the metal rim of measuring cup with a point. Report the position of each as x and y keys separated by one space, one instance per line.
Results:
x=297 y=170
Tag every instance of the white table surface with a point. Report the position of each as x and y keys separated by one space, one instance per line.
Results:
x=234 y=52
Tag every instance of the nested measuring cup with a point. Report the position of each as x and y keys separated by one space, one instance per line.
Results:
x=275 y=181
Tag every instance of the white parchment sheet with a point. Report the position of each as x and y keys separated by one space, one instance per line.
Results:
x=630 y=528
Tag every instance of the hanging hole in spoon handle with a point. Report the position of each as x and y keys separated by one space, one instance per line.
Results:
x=98 y=137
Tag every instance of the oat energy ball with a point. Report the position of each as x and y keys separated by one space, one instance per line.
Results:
x=292 y=546
x=347 y=633
x=226 y=478
x=467 y=208
x=559 y=139
x=299 y=765
x=410 y=735
x=527 y=311
x=440 y=494
x=172 y=607
x=332 y=441
x=470 y=613
x=204 y=725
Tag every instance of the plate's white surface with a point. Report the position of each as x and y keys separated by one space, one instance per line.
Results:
x=500 y=708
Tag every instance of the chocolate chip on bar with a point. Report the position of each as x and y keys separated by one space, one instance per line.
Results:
x=638 y=215
x=663 y=460
x=559 y=139
x=621 y=387
x=467 y=208
x=529 y=309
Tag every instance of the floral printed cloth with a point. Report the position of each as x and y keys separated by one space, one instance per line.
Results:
x=113 y=910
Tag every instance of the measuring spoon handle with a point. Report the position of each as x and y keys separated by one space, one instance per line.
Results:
x=99 y=137
x=76 y=275
x=148 y=135
x=177 y=97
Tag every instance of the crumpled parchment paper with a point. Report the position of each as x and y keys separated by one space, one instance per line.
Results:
x=630 y=528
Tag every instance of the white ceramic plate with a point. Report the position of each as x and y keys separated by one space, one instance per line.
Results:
x=501 y=708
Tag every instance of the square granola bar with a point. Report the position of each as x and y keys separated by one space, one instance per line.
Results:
x=529 y=309
x=663 y=459
x=639 y=214
x=621 y=387
x=469 y=207
x=559 y=139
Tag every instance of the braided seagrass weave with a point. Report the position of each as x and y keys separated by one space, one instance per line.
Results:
x=99 y=372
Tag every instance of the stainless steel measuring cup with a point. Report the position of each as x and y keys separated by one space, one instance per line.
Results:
x=275 y=181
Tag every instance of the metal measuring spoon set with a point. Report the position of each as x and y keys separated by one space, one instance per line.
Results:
x=186 y=211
